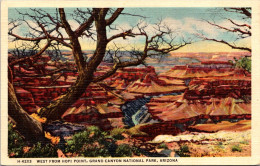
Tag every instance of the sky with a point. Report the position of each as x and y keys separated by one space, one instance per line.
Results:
x=185 y=22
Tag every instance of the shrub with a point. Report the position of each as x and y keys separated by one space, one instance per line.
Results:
x=184 y=151
x=220 y=145
x=90 y=135
x=92 y=143
x=95 y=134
x=244 y=142
x=123 y=150
x=95 y=151
x=236 y=148
x=162 y=146
x=117 y=133
x=89 y=143
x=244 y=63
x=15 y=142
x=77 y=141
x=16 y=145
x=136 y=151
x=41 y=150
x=95 y=143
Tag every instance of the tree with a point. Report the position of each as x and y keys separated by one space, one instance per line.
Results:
x=27 y=126
x=93 y=24
x=240 y=30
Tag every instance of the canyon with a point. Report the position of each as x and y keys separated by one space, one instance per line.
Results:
x=154 y=100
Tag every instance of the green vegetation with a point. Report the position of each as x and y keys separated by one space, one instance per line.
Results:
x=95 y=151
x=244 y=142
x=40 y=150
x=17 y=147
x=95 y=143
x=123 y=150
x=15 y=143
x=136 y=151
x=244 y=63
x=162 y=146
x=184 y=151
x=91 y=142
x=236 y=148
x=220 y=145
x=136 y=130
x=117 y=133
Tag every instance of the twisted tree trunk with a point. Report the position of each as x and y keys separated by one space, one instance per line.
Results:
x=56 y=109
x=27 y=126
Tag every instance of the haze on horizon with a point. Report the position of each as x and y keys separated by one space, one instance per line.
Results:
x=185 y=22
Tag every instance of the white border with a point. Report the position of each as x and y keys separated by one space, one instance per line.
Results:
x=255 y=4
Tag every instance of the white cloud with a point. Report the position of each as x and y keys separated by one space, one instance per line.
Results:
x=73 y=24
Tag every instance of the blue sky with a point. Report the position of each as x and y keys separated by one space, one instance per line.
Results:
x=152 y=14
x=186 y=21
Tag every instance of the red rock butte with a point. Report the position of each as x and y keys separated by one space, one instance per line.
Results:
x=211 y=90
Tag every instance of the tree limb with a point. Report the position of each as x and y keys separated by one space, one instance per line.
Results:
x=230 y=45
x=31 y=57
x=240 y=25
x=84 y=26
x=123 y=35
x=107 y=74
x=114 y=16
x=243 y=11
x=230 y=30
x=76 y=48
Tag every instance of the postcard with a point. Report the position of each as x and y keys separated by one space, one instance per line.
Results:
x=130 y=82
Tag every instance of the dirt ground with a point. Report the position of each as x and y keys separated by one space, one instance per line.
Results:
x=224 y=139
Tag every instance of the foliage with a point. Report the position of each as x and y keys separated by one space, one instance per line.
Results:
x=136 y=130
x=123 y=150
x=117 y=133
x=244 y=142
x=17 y=147
x=88 y=136
x=89 y=143
x=15 y=142
x=220 y=145
x=236 y=148
x=136 y=151
x=244 y=63
x=162 y=146
x=77 y=141
x=184 y=151
x=95 y=151
x=40 y=150
x=95 y=143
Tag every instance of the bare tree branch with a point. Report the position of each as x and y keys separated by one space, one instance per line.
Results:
x=243 y=11
x=230 y=45
x=240 y=25
x=242 y=30
x=123 y=35
x=79 y=31
x=231 y=30
x=114 y=16
x=76 y=48
x=31 y=57
x=107 y=74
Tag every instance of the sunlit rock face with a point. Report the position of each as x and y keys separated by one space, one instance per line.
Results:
x=194 y=93
x=152 y=85
x=215 y=92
